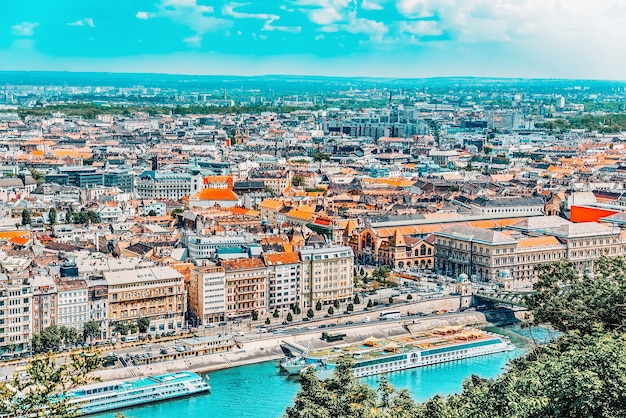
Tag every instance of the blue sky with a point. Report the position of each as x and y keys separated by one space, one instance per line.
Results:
x=390 y=38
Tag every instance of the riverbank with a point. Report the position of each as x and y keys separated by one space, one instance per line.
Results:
x=269 y=348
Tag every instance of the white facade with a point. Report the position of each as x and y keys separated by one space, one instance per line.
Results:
x=327 y=274
x=73 y=307
x=202 y=248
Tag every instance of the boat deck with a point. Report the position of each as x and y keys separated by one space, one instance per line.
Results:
x=439 y=340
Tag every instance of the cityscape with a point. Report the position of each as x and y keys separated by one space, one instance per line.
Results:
x=354 y=243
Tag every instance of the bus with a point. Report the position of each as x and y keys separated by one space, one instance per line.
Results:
x=389 y=315
x=332 y=337
x=130 y=338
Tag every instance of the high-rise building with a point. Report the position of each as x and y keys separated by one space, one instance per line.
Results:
x=327 y=274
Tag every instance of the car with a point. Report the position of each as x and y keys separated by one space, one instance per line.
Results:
x=347 y=312
x=326 y=316
x=223 y=324
x=298 y=327
x=261 y=330
x=285 y=323
x=366 y=319
x=311 y=327
x=332 y=325
x=323 y=326
x=452 y=310
x=239 y=334
x=146 y=346
x=209 y=326
x=349 y=322
x=180 y=348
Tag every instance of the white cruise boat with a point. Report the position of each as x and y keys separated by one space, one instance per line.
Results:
x=108 y=396
x=376 y=356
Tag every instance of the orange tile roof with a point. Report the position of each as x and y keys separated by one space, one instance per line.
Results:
x=243 y=264
x=7 y=235
x=19 y=240
x=281 y=258
x=216 y=194
x=538 y=242
x=270 y=204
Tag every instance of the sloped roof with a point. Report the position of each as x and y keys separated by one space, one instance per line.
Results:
x=216 y=194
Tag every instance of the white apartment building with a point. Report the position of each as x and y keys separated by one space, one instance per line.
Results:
x=207 y=294
x=284 y=271
x=167 y=185
x=15 y=307
x=202 y=248
x=73 y=306
x=327 y=274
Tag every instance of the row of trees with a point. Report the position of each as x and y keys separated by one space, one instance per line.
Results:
x=71 y=217
x=125 y=328
x=55 y=337
x=580 y=374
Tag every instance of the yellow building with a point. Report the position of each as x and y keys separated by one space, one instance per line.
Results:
x=246 y=282
x=156 y=293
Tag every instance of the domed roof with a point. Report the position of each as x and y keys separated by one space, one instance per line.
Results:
x=463 y=278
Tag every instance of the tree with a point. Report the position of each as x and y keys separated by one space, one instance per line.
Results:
x=177 y=211
x=69 y=335
x=91 y=330
x=48 y=340
x=69 y=216
x=268 y=321
x=52 y=216
x=357 y=300
x=350 y=307
x=370 y=304
x=143 y=324
x=297 y=310
x=310 y=313
x=336 y=304
x=362 y=272
x=318 y=305
x=276 y=314
x=289 y=317
x=390 y=299
x=255 y=315
x=409 y=297
x=331 y=311
x=320 y=156
x=26 y=217
x=297 y=180
x=37 y=176
x=42 y=392
x=152 y=213
x=122 y=328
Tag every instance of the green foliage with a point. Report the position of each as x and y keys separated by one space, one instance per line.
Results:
x=91 y=330
x=409 y=297
x=69 y=216
x=357 y=300
x=320 y=156
x=390 y=299
x=37 y=176
x=318 y=305
x=370 y=304
x=310 y=313
x=177 y=211
x=26 y=217
x=53 y=337
x=39 y=394
x=122 y=328
x=275 y=314
x=289 y=317
x=255 y=315
x=344 y=396
x=268 y=321
x=297 y=180
x=381 y=273
x=331 y=310
x=588 y=304
x=52 y=216
x=152 y=213
x=143 y=324
x=86 y=217
x=350 y=307
x=336 y=304
x=606 y=124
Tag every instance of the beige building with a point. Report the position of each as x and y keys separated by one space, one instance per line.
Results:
x=15 y=318
x=283 y=278
x=207 y=297
x=44 y=312
x=246 y=287
x=156 y=293
x=327 y=274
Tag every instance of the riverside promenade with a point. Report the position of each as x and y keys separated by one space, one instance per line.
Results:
x=268 y=348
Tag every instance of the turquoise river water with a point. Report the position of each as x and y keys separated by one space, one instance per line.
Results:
x=258 y=391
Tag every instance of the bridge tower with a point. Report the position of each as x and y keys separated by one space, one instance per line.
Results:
x=505 y=280
x=464 y=288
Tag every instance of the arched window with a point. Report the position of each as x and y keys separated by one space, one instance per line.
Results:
x=430 y=251
x=422 y=249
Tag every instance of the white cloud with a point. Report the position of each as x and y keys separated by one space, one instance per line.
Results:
x=24 y=29
x=189 y=13
x=421 y=28
x=371 y=5
x=83 y=22
x=229 y=10
x=325 y=16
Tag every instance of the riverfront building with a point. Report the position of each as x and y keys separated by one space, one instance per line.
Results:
x=327 y=274
x=156 y=293
x=207 y=298
x=246 y=287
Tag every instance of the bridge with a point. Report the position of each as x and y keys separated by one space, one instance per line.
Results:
x=513 y=298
